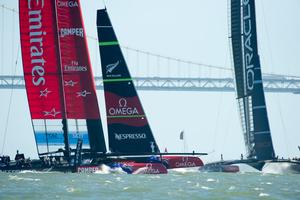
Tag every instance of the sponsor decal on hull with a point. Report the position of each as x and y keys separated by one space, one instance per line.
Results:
x=148 y=168
x=87 y=169
x=185 y=163
x=182 y=161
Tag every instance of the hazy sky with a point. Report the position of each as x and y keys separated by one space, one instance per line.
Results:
x=194 y=30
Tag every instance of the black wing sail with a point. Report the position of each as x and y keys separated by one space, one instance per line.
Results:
x=248 y=80
x=128 y=128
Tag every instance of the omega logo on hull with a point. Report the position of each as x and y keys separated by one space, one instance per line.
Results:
x=185 y=163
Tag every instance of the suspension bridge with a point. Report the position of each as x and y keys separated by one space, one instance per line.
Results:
x=150 y=71
x=271 y=84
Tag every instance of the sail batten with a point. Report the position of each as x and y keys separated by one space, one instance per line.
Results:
x=248 y=80
x=128 y=127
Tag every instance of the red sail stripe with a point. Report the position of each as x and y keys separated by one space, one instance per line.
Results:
x=40 y=57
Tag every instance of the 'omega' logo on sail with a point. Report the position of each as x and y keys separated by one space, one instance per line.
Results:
x=123 y=109
x=69 y=4
x=36 y=41
x=248 y=51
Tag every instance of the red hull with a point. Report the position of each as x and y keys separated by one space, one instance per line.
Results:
x=182 y=161
x=230 y=168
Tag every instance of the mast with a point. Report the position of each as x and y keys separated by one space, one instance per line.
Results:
x=248 y=80
x=64 y=120
x=128 y=127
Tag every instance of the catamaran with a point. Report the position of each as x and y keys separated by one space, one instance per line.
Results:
x=60 y=86
x=63 y=103
x=250 y=93
x=128 y=129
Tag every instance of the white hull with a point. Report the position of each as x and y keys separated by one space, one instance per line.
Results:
x=281 y=167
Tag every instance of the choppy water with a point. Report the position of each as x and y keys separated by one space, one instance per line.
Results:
x=175 y=185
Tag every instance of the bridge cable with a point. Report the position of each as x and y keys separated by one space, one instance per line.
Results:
x=14 y=74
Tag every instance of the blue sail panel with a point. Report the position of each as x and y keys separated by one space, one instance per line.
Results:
x=57 y=138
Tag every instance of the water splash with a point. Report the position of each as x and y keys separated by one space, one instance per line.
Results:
x=263 y=195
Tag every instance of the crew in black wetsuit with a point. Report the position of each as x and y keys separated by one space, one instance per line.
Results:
x=20 y=158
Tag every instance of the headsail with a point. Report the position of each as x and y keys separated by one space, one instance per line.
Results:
x=248 y=78
x=80 y=93
x=128 y=128
x=55 y=87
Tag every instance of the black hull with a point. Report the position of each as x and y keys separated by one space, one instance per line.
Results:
x=36 y=165
x=40 y=166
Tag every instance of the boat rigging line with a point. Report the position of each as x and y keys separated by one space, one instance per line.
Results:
x=9 y=104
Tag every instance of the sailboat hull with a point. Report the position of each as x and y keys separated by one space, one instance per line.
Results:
x=220 y=167
x=282 y=167
x=127 y=166
x=172 y=162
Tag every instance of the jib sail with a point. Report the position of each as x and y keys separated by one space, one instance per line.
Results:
x=128 y=128
x=82 y=109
